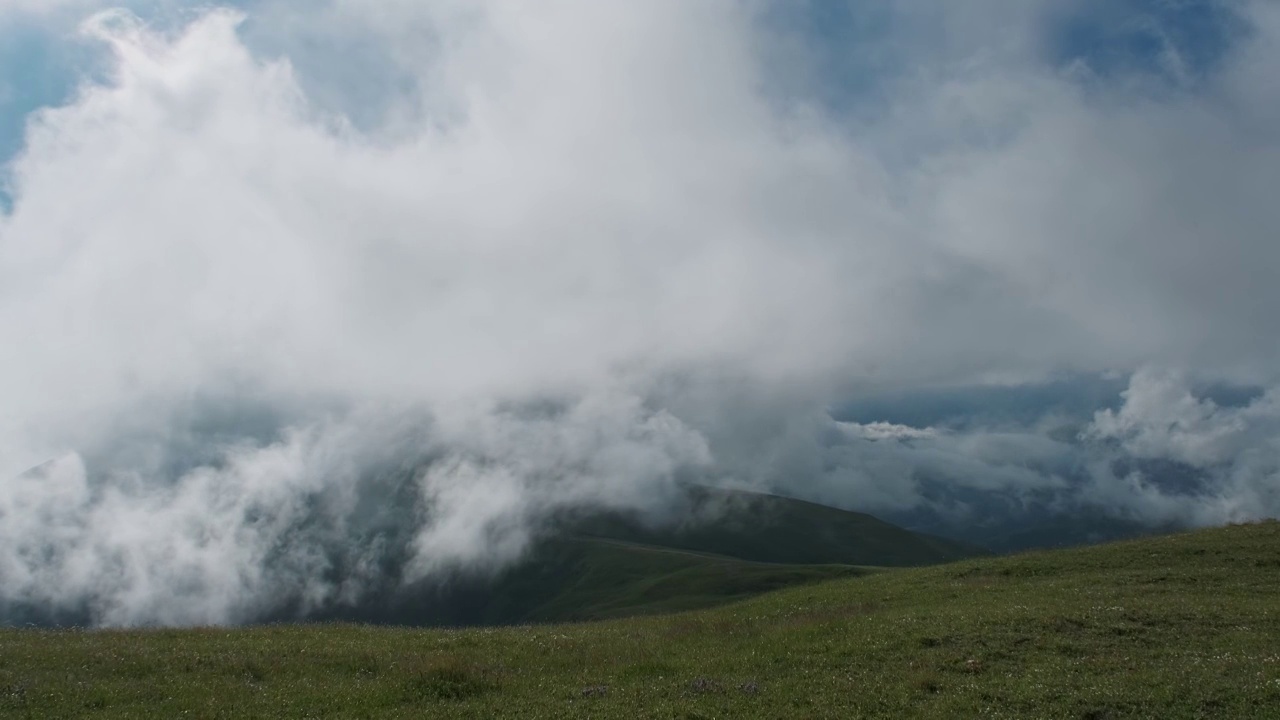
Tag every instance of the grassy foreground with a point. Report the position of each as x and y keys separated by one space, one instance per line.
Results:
x=1183 y=626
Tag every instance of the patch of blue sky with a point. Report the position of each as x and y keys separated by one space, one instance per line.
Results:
x=843 y=55
x=1176 y=42
x=43 y=61
x=865 y=63
x=38 y=68
x=858 y=50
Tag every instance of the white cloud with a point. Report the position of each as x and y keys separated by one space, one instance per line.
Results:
x=587 y=204
x=1237 y=447
x=32 y=6
x=886 y=431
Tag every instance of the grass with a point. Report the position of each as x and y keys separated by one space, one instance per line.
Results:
x=578 y=578
x=770 y=528
x=613 y=579
x=1184 y=626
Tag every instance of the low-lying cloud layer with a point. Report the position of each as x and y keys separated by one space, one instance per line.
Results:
x=284 y=325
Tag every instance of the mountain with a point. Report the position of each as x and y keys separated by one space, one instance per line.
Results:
x=771 y=528
x=580 y=578
x=704 y=547
x=726 y=545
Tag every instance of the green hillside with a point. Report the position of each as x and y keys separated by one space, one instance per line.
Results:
x=769 y=528
x=1184 y=626
x=608 y=578
x=585 y=578
x=729 y=545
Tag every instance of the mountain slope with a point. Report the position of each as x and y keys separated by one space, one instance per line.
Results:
x=1183 y=626
x=770 y=528
x=618 y=579
x=583 y=578
x=728 y=545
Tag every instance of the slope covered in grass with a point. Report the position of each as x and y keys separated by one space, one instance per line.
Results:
x=1183 y=626
x=618 y=579
x=769 y=528
x=587 y=578
x=726 y=545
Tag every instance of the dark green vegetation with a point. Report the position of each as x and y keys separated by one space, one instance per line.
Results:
x=1182 y=626
x=728 y=546
x=768 y=528
x=583 y=578
x=596 y=579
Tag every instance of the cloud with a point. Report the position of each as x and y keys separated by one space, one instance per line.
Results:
x=34 y=6
x=886 y=431
x=326 y=514
x=1236 y=448
x=1167 y=455
x=295 y=331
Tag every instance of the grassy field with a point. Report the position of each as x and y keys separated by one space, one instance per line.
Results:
x=1184 y=626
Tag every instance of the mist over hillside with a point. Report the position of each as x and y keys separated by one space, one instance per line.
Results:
x=706 y=548
x=299 y=304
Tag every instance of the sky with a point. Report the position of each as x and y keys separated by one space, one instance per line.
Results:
x=288 y=292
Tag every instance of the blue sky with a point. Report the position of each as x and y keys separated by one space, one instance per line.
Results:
x=863 y=46
x=37 y=69
x=1124 y=36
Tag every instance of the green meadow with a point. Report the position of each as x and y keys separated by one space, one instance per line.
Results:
x=1181 y=626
